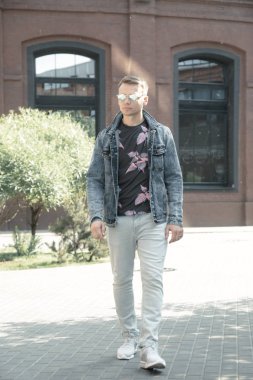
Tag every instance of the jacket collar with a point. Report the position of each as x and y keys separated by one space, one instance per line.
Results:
x=152 y=122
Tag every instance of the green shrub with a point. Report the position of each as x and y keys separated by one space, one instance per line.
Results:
x=25 y=244
x=74 y=232
x=44 y=156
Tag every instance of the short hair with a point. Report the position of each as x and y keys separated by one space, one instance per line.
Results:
x=131 y=79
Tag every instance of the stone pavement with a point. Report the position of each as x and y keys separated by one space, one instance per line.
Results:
x=60 y=323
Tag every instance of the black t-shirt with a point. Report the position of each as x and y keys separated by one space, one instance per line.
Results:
x=133 y=170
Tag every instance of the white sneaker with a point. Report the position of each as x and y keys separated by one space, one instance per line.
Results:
x=151 y=359
x=128 y=349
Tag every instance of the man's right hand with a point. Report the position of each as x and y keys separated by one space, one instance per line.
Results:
x=97 y=229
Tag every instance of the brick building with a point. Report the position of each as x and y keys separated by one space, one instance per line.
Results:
x=197 y=57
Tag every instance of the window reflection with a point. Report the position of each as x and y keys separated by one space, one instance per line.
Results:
x=201 y=93
x=202 y=71
x=64 y=66
x=65 y=89
x=66 y=82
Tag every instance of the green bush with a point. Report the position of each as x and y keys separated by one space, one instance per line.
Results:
x=74 y=232
x=25 y=244
x=44 y=157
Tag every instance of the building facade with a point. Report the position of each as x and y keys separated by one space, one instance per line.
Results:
x=197 y=57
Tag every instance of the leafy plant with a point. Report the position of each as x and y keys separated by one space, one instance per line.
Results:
x=74 y=232
x=25 y=244
x=43 y=156
x=59 y=251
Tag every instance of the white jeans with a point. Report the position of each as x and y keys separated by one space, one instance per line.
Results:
x=139 y=233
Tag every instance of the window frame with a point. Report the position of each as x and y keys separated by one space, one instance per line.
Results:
x=233 y=111
x=70 y=47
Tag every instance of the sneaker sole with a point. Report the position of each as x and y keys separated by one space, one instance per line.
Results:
x=157 y=365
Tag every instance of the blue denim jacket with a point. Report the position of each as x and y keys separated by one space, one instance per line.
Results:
x=165 y=177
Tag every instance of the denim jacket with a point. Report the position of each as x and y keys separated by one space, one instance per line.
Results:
x=165 y=177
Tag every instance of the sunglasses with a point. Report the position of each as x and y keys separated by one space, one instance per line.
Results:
x=132 y=97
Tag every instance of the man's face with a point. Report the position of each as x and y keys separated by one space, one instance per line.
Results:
x=130 y=107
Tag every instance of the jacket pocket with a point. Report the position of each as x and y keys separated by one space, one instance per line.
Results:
x=158 y=150
x=106 y=153
x=158 y=157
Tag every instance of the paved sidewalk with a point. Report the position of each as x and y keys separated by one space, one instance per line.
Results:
x=60 y=323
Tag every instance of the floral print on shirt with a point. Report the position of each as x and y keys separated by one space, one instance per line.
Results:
x=133 y=170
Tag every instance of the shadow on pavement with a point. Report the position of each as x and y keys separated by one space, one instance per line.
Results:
x=209 y=341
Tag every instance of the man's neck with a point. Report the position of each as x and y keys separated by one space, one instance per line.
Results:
x=132 y=121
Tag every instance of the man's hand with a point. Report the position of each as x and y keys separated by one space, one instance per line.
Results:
x=176 y=232
x=97 y=229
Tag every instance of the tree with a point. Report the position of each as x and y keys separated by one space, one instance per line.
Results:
x=44 y=157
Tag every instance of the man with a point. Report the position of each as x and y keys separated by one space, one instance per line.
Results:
x=134 y=186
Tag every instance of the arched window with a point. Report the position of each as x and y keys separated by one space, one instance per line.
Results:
x=69 y=78
x=206 y=115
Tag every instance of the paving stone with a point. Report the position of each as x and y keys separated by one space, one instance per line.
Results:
x=60 y=323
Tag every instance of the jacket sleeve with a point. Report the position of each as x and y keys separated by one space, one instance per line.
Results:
x=173 y=181
x=96 y=181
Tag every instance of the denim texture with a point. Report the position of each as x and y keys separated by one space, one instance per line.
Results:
x=165 y=176
x=138 y=233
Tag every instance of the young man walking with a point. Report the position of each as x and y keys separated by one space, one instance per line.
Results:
x=134 y=186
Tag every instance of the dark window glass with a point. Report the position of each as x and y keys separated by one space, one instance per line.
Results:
x=203 y=147
x=203 y=97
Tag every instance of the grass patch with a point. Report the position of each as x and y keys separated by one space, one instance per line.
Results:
x=9 y=260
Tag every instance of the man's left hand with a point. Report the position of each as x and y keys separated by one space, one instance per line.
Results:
x=176 y=232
